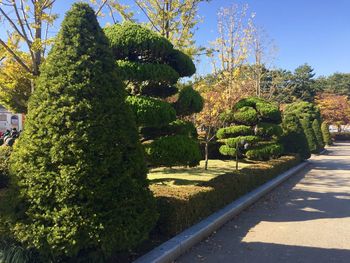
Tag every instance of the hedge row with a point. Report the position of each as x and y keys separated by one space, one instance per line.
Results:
x=181 y=207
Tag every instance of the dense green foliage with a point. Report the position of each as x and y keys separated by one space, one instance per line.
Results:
x=181 y=207
x=233 y=131
x=178 y=127
x=326 y=135
x=151 y=112
x=316 y=126
x=135 y=42
x=306 y=123
x=5 y=153
x=294 y=139
x=78 y=177
x=246 y=116
x=150 y=68
x=189 y=102
x=255 y=130
x=173 y=150
x=265 y=151
x=337 y=83
x=289 y=87
x=306 y=113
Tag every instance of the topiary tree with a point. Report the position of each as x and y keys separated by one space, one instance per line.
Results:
x=150 y=67
x=326 y=135
x=256 y=123
x=78 y=174
x=307 y=113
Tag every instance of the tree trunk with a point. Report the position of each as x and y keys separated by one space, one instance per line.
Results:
x=206 y=155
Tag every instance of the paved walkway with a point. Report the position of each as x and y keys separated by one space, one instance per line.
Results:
x=307 y=219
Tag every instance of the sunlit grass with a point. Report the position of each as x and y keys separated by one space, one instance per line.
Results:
x=194 y=175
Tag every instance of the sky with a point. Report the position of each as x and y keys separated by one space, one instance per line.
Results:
x=316 y=32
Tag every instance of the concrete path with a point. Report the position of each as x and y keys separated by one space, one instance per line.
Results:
x=306 y=219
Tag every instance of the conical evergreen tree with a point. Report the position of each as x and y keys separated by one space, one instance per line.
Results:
x=78 y=168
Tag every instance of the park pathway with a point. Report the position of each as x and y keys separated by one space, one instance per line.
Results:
x=306 y=219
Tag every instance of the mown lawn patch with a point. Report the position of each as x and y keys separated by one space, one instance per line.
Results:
x=180 y=176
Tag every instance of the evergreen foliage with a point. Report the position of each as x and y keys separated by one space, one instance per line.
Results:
x=294 y=139
x=316 y=126
x=151 y=67
x=78 y=176
x=326 y=135
x=255 y=130
x=189 y=102
x=173 y=151
x=307 y=113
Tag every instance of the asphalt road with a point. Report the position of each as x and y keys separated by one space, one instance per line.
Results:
x=306 y=219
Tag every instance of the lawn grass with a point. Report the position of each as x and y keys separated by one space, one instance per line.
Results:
x=179 y=176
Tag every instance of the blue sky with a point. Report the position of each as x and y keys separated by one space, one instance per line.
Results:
x=316 y=32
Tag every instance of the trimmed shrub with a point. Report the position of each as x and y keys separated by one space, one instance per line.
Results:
x=181 y=207
x=227 y=150
x=173 y=151
x=310 y=135
x=261 y=121
x=326 y=135
x=307 y=113
x=250 y=139
x=246 y=115
x=232 y=131
x=151 y=112
x=136 y=71
x=5 y=153
x=294 y=139
x=268 y=130
x=150 y=67
x=182 y=63
x=78 y=175
x=265 y=152
x=316 y=126
x=268 y=112
x=189 y=102
x=131 y=40
x=178 y=127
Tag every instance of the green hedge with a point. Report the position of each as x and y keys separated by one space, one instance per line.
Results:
x=232 y=131
x=181 y=207
x=151 y=112
x=173 y=151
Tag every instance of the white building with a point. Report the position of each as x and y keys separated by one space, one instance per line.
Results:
x=9 y=120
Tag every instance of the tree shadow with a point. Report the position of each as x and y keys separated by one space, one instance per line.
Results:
x=320 y=196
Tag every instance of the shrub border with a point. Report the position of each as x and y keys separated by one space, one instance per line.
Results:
x=173 y=248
